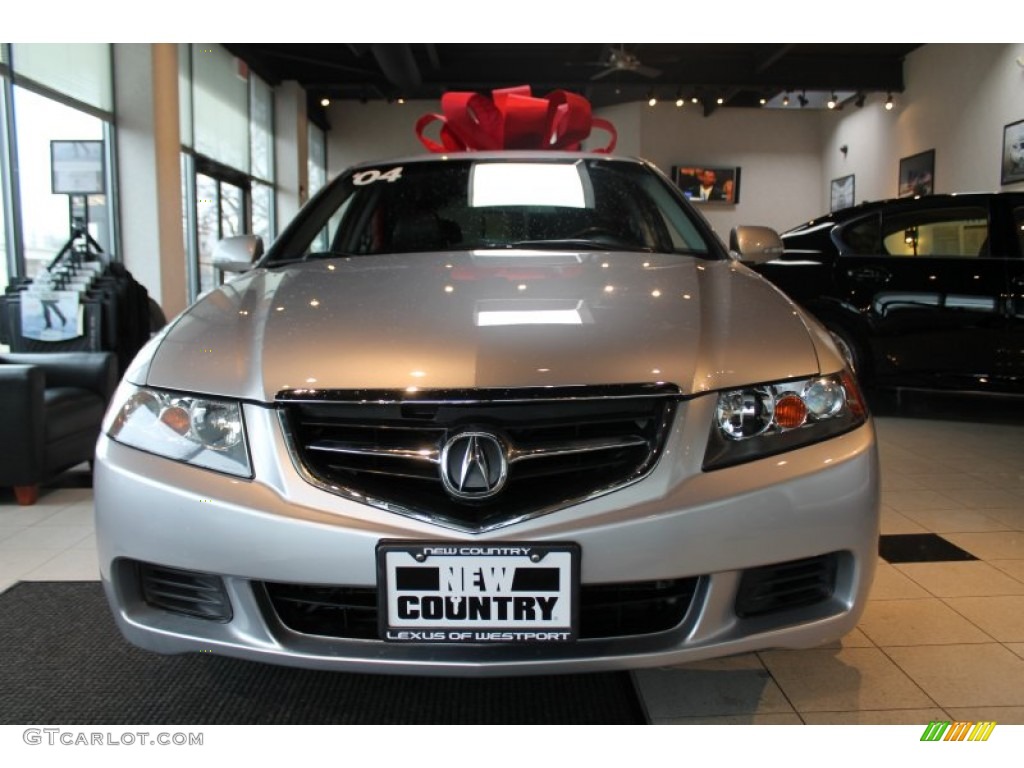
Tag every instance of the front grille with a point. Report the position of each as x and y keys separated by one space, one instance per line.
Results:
x=559 y=450
x=785 y=586
x=606 y=610
x=187 y=592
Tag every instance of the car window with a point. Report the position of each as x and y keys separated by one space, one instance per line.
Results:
x=862 y=237
x=944 y=232
x=487 y=203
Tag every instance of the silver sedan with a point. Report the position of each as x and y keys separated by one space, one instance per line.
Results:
x=488 y=414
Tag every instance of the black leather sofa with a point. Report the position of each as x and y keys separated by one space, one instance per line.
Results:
x=51 y=408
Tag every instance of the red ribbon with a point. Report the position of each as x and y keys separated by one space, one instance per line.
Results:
x=513 y=119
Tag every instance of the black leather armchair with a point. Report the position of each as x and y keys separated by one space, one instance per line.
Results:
x=51 y=408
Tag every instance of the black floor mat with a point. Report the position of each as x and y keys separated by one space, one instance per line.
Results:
x=63 y=661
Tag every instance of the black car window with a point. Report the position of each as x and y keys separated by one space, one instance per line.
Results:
x=862 y=237
x=937 y=232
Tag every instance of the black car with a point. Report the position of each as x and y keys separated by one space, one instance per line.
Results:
x=923 y=292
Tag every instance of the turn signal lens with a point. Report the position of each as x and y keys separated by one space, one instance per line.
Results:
x=176 y=418
x=790 y=412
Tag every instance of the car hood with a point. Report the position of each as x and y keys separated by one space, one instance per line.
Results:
x=484 y=319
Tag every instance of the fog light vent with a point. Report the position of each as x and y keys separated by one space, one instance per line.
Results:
x=187 y=592
x=785 y=586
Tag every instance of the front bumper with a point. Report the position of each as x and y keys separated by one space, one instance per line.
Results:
x=677 y=522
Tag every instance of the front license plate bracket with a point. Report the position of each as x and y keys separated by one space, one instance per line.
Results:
x=507 y=592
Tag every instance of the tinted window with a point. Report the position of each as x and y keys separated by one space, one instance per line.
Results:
x=945 y=232
x=862 y=237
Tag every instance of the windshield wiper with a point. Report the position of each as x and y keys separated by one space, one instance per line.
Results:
x=575 y=243
x=330 y=255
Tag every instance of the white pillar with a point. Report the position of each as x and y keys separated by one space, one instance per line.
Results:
x=149 y=170
x=291 y=150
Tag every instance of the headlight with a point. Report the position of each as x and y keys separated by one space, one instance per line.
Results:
x=196 y=430
x=760 y=421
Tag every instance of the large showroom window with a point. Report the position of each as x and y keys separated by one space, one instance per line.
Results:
x=222 y=213
x=45 y=216
x=54 y=93
x=227 y=135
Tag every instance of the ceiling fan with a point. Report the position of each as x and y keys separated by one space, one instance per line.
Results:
x=618 y=59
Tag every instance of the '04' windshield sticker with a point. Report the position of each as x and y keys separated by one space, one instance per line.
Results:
x=363 y=178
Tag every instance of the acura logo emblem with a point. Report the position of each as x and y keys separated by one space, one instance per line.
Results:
x=474 y=465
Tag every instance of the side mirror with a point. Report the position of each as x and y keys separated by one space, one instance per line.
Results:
x=755 y=244
x=237 y=254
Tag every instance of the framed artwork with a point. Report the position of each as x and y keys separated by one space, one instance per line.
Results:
x=76 y=167
x=1013 y=152
x=917 y=174
x=842 y=193
x=708 y=183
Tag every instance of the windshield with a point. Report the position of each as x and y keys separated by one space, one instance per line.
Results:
x=494 y=204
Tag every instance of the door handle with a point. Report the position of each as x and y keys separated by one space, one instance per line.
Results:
x=870 y=274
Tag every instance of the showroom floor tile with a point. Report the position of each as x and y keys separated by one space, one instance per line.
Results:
x=939 y=639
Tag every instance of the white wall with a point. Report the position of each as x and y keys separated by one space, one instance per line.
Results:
x=374 y=131
x=957 y=100
x=778 y=153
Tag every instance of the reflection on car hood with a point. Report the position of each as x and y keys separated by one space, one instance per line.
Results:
x=485 y=319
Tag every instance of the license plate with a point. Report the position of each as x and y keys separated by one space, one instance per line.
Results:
x=440 y=592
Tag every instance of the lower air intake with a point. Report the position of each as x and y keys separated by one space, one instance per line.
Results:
x=785 y=586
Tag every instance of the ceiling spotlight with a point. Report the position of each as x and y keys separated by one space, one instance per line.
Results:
x=888 y=103
x=325 y=102
x=695 y=100
x=763 y=101
x=652 y=100
x=401 y=100
x=785 y=99
x=832 y=101
x=680 y=101
x=720 y=101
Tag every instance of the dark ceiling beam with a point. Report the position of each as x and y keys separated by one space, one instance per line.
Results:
x=398 y=64
x=766 y=61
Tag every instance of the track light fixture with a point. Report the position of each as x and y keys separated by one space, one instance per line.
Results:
x=679 y=99
x=695 y=100
x=785 y=99
x=325 y=102
x=652 y=99
x=832 y=101
x=720 y=101
x=888 y=103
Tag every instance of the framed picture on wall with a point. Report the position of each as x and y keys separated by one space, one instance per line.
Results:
x=917 y=174
x=842 y=193
x=1013 y=153
x=708 y=183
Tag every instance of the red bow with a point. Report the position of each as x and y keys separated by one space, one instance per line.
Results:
x=513 y=119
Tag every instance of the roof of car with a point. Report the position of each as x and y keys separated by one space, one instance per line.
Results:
x=923 y=201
